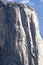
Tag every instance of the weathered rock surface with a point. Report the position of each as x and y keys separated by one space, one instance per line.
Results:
x=20 y=40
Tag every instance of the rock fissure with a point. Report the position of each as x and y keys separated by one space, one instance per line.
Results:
x=20 y=40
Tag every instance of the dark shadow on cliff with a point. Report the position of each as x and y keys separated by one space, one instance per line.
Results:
x=0 y=55
x=10 y=55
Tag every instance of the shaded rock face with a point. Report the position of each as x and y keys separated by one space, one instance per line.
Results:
x=20 y=39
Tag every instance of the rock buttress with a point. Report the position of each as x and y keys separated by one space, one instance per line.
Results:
x=19 y=35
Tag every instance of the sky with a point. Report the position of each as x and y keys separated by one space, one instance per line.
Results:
x=38 y=6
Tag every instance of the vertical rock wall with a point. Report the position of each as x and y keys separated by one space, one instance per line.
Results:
x=20 y=39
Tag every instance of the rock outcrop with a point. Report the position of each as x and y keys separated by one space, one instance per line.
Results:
x=20 y=40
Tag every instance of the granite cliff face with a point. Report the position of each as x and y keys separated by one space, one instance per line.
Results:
x=20 y=40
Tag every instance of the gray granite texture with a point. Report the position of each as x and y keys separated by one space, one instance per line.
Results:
x=20 y=39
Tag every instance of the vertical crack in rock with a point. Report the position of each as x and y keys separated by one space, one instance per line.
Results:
x=35 y=49
x=25 y=26
x=20 y=40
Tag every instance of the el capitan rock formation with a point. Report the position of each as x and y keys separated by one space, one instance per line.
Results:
x=20 y=40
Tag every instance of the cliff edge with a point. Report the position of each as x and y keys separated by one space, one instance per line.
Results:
x=20 y=40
